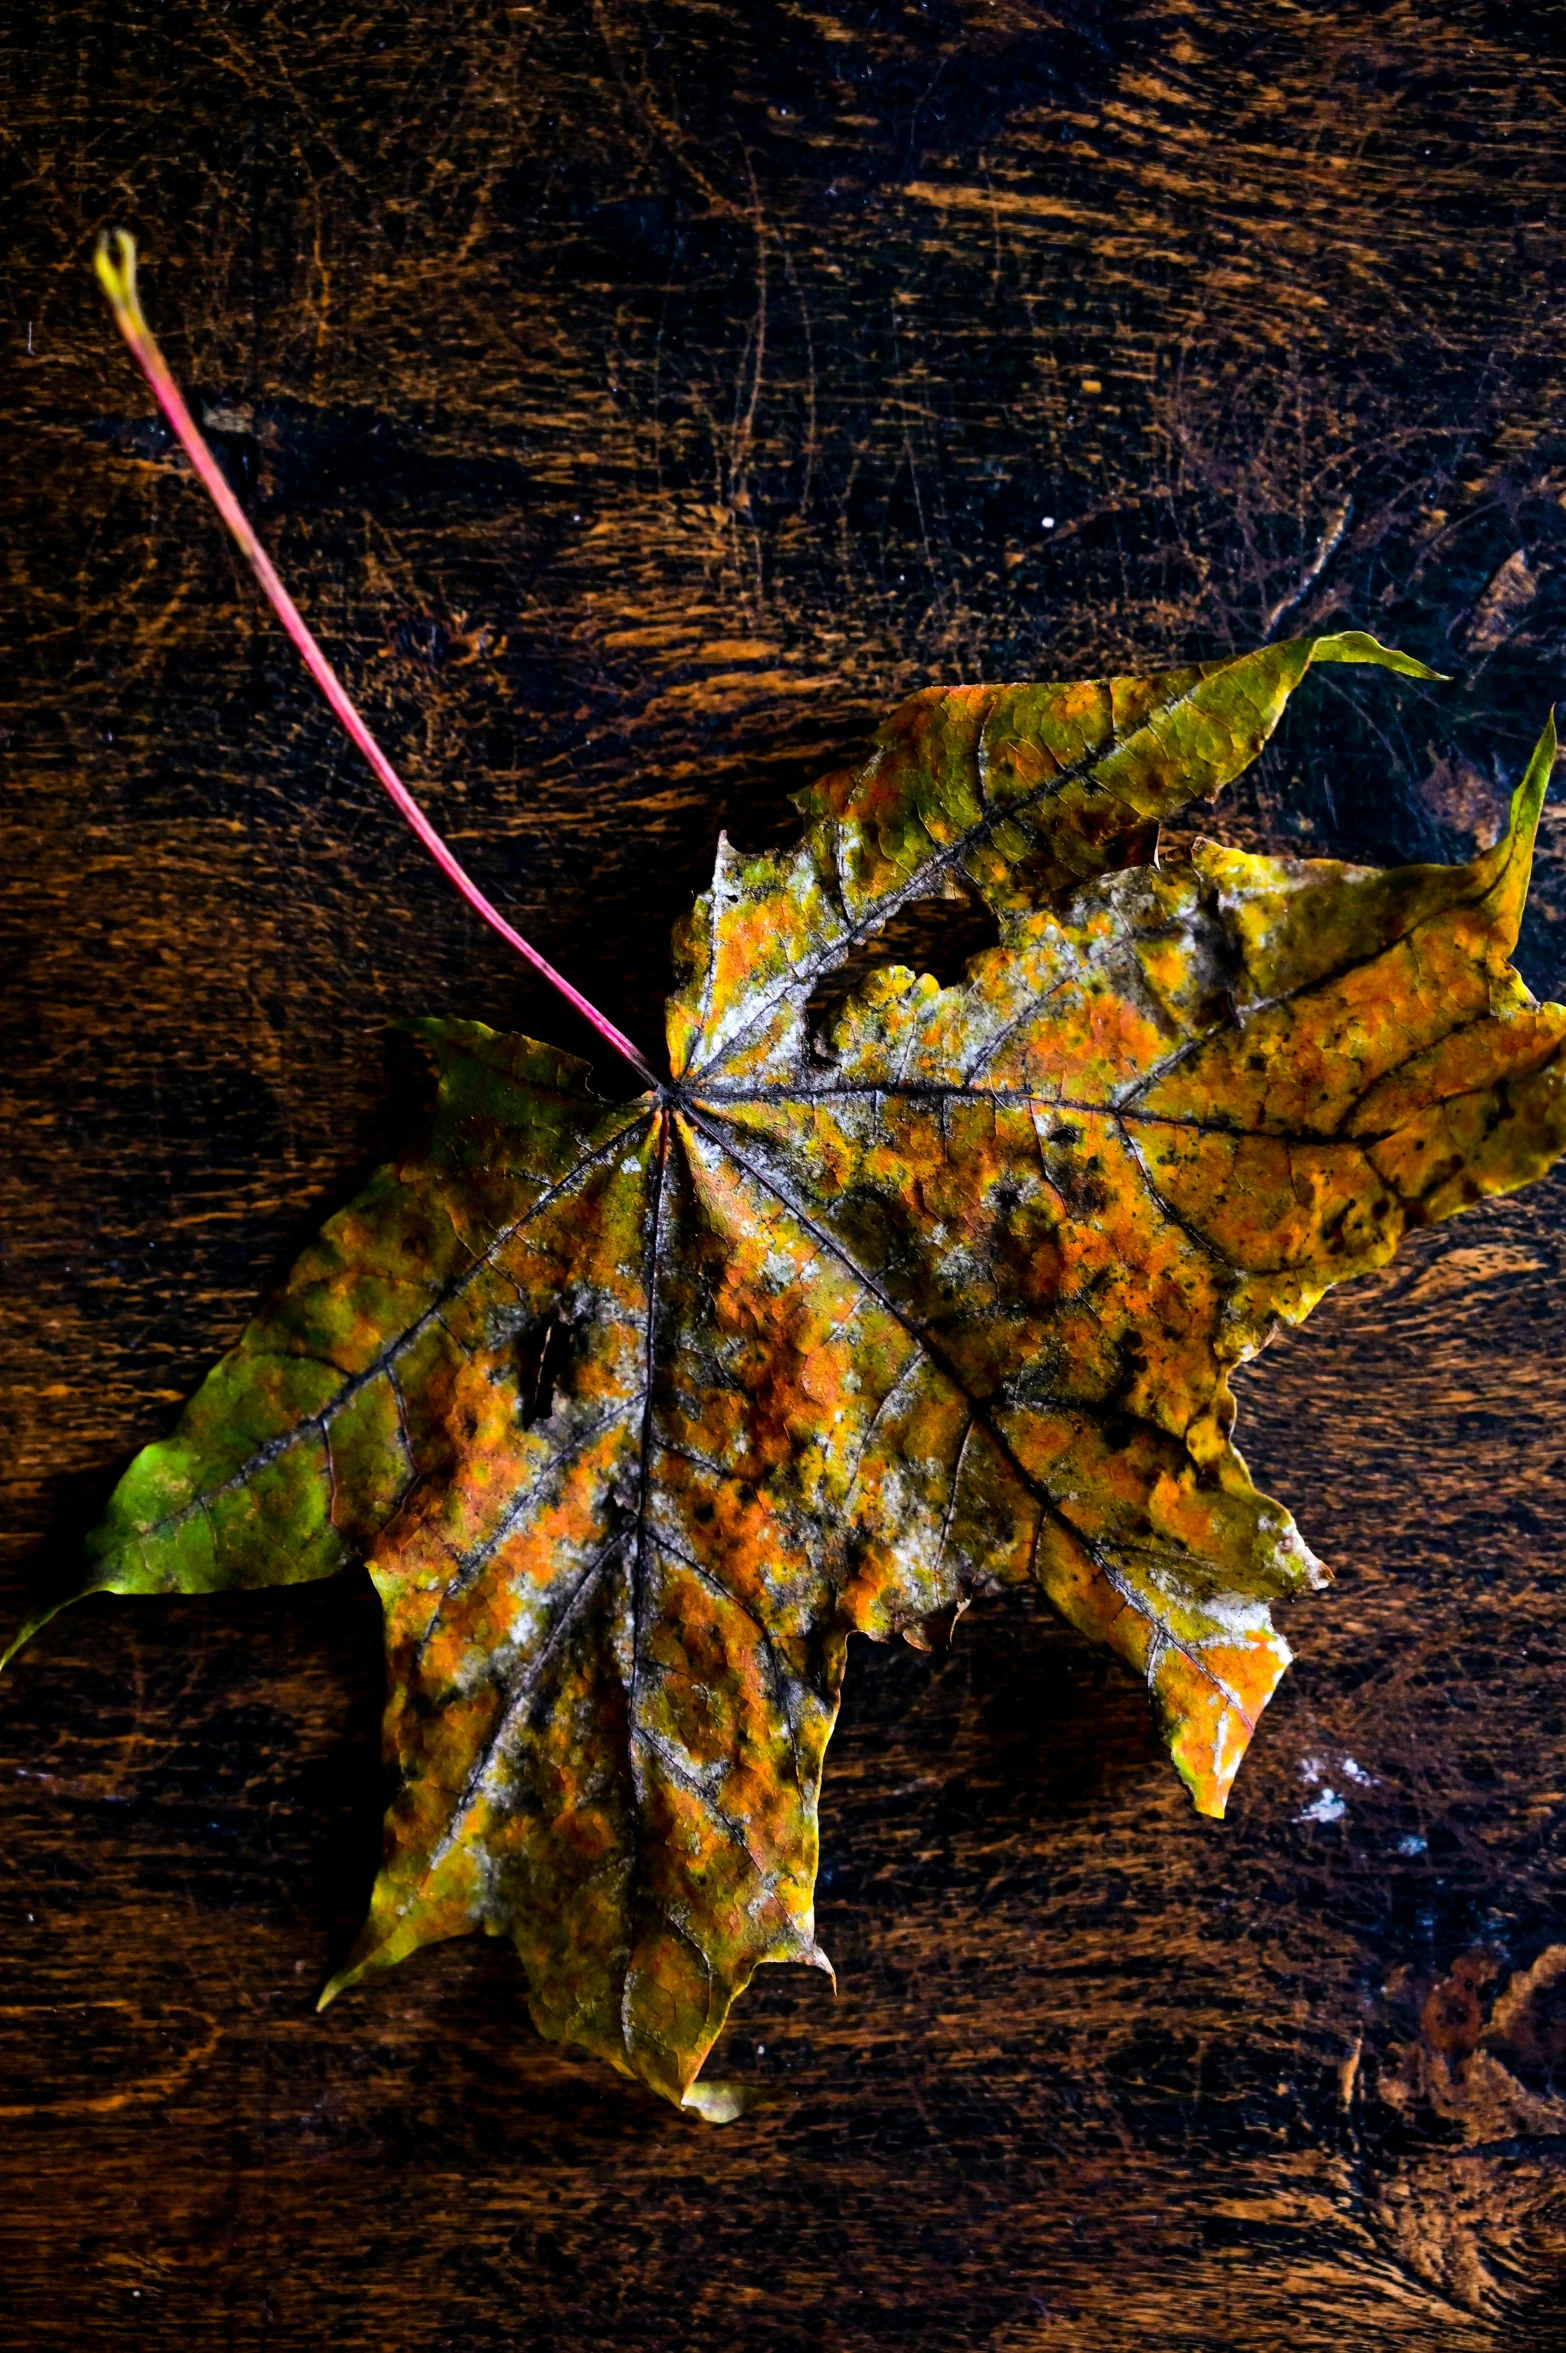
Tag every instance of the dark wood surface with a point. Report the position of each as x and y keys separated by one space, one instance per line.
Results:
x=640 y=400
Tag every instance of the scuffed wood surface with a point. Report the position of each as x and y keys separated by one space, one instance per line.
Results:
x=640 y=401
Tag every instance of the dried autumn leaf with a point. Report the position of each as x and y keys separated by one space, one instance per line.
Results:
x=636 y=1414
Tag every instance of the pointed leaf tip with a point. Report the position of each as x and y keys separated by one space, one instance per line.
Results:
x=724 y=2103
x=815 y=1958
x=34 y=1623
x=1528 y=799
x=1357 y=645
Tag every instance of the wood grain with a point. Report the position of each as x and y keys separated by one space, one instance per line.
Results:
x=639 y=401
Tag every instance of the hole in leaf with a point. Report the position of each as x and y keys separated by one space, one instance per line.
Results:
x=937 y=936
x=541 y=1362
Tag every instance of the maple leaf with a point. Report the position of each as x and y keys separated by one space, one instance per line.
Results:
x=636 y=1413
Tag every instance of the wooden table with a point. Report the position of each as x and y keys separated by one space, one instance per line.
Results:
x=640 y=401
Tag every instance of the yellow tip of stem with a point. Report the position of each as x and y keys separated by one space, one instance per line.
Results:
x=115 y=263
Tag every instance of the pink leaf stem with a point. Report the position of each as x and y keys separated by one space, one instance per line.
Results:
x=117 y=276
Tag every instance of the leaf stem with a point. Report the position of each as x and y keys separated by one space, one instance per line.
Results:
x=117 y=276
